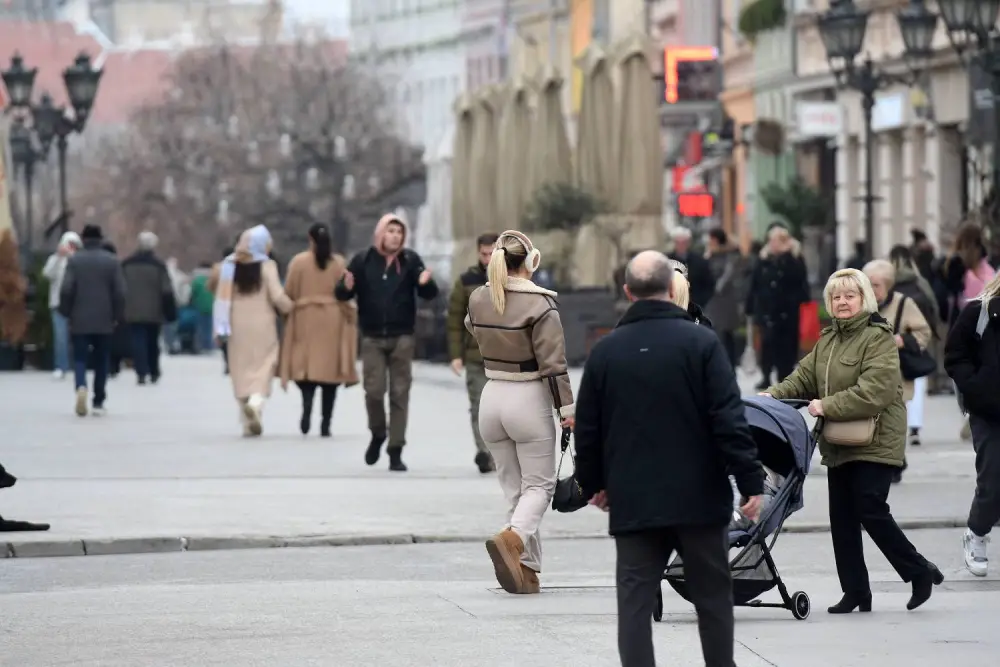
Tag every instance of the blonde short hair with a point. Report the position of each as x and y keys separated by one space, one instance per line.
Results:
x=881 y=268
x=850 y=280
x=680 y=290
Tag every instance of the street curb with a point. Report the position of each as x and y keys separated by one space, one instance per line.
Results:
x=154 y=545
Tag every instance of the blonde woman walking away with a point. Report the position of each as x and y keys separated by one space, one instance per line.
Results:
x=249 y=292
x=320 y=345
x=516 y=325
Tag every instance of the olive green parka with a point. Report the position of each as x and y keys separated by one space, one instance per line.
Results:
x=864 y=381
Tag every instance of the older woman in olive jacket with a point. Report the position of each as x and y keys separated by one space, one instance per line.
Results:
x=853 y=374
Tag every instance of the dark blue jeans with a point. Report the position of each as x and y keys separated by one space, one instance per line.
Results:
x=101 y=346
x=146 y=349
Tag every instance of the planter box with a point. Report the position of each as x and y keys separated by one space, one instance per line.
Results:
x=11 y=357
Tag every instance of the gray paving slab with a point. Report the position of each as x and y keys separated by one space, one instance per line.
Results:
x=437 y=604
x=167 y=466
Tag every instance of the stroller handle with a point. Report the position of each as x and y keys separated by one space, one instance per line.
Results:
x=796 y=403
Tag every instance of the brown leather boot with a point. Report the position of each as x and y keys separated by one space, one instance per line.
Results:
x=505 y=549
x=530 y=580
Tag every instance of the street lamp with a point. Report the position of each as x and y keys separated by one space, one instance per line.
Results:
x=972 y=31
x=19 y=82
x=24 y=156
x=842 y=29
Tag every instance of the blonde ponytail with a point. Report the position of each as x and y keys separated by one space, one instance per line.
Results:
x=681 y=291
x=496 y=274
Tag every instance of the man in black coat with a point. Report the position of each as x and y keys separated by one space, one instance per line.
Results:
x=659 y=428
x=699 y=271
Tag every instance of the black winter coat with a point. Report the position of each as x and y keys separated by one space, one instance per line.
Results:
x=974 y=364
x=778 y=287
x=699 y=276
x=387 y=298
x=660 y=424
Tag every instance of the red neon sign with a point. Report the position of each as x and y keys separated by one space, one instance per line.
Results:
x=672 y=56
x=696 y=204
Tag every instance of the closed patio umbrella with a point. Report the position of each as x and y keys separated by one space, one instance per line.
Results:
x=551 y=158
x=596 y=167
x=640 y=157
x=483 y=170
x=512 y=155
x=461 y=207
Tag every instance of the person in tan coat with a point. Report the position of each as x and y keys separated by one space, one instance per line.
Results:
x=912 y=331
x=248 y=294
x=517 y=327
x=319 y=349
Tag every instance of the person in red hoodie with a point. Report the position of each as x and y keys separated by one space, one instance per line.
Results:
x=386 y=280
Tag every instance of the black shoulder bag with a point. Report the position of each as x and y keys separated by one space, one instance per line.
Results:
x=568 y=496
x=912 y=364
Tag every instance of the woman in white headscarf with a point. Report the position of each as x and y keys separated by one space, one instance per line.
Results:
x=248 y=293
x=54 y=270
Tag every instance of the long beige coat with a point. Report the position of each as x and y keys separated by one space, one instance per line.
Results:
x=253 y=344
x=321 y=337
x=913 y=323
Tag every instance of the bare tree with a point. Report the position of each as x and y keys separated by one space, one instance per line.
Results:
x=279 y=134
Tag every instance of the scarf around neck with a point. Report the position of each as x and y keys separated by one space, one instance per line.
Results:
x=252 y=249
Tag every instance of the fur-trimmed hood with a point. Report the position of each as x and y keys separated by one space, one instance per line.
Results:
x=796 y=249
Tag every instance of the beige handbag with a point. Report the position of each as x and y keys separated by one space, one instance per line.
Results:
x=854 y=433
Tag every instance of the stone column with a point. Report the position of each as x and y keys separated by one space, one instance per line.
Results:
x=847 y=189
x=932 y=201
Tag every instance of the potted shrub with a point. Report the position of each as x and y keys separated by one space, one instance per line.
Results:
x=38 y=344
x=13 y=307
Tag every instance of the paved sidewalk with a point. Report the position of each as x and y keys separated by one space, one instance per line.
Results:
x=166 y=470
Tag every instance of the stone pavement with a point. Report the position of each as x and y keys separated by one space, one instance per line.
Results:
x=435 y=604
x=166 y=470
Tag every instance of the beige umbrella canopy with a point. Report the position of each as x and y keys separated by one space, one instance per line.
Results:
x=461 y=161
x=483 y=168
x=640 y=174
x=512 y=162
x=596 y=166
x=551 y=160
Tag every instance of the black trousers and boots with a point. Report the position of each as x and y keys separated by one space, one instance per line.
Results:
x=985 y=510
x=642 y=558
x=858 y=495
x=328 y=395
x=779 y=348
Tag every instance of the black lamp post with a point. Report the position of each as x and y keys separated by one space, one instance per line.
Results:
x=973 y=33
x=842 y=29
x=52 y=123
x=24 y=156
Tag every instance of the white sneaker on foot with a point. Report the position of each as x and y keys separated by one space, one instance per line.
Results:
x=81 y=401
x=58 y=374
x=251 y=412
x=98 y=411
x=976 y=559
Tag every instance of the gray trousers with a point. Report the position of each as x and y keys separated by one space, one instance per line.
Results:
x=475 y=381
x=985 y=510
x=642 y=559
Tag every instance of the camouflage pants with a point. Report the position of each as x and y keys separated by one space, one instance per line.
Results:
x=475 y=380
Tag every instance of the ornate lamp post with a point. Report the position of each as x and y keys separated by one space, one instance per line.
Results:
x=19 y=82
x=24 y=156
x=842 y=29
x=973 y=33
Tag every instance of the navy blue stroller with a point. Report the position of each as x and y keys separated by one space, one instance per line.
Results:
x=785 y=445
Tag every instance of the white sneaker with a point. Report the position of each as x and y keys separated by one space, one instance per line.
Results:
x=58 y=374
x=251 y=412
x=98 y=411
x=81 y=402
x=976 y=559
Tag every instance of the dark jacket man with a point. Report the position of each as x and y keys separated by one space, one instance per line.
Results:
x=93 y=291
x=150 y=298
x=660 y=425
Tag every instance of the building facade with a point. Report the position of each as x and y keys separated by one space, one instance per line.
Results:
x=920 y=167
x=417 y=46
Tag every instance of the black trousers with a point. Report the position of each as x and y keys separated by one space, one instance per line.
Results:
x=985 y=510
x=642 y=559
x=780 y=348
x=328 y=395
x=728 y=339
x=146 y=349
x=858 y=494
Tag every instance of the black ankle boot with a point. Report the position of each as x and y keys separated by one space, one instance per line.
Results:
x=374 y=449
x=923 y=585
x=850 y=602
x=308 y=394
x=396 y=460
x=327 y=400
x=6 y=479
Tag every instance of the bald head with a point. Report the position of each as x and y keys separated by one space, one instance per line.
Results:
x=649 y=276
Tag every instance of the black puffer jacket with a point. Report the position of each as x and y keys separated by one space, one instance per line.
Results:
x=387 y=298
x=974 y=364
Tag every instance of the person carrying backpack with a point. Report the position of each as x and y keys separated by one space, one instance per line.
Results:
x=972 y=360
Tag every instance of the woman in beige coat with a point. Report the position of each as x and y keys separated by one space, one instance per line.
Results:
x=913 y=329
x=320 y=346
x=246 y=298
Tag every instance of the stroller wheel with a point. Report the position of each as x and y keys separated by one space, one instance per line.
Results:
x=658 y=610
x=801 y=606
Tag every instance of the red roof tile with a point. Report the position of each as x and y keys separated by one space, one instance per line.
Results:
x=131 y=79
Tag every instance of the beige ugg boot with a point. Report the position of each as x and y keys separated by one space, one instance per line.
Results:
x=529 y=579
x=252 y=411
x=505 y=549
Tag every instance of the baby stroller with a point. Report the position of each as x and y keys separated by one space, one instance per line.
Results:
x=785 y=445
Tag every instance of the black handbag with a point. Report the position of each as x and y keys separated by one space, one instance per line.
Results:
x=912 y=364
x=568 y=496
